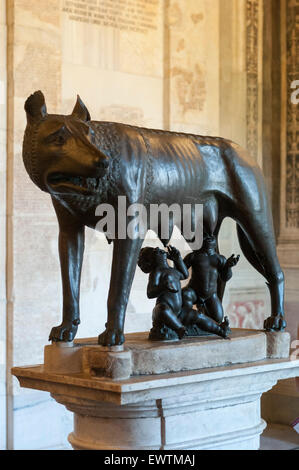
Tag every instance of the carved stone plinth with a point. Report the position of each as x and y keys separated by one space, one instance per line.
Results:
x=208 y=408
x=142 y=357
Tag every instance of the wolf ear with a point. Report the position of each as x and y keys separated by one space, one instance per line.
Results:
x=80 y=111
x=35 y=107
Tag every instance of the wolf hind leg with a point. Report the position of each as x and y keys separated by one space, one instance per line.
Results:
x=257 y=242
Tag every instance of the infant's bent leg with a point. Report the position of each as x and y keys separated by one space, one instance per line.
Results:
x=214 y=308
x=164 y=315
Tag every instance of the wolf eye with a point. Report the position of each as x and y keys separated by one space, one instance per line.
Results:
x=91 y=134
x=60 y=139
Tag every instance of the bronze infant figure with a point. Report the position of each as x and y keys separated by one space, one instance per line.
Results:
x=165 y=285
x=208 y=267
x=171 y=318
x=82 y=163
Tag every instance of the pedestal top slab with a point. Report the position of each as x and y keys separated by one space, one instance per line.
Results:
x=160 y=357
x=140 y=388
x=140 y=356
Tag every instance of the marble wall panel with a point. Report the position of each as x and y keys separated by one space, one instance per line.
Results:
x=33 y=64
x=233 y=79
x=193 y=45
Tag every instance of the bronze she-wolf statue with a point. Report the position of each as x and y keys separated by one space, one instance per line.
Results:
x=83 y=163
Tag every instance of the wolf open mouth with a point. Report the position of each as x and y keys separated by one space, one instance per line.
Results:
x=72 y=183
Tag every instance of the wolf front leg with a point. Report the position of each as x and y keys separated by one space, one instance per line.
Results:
x=125 y=256
x=71 y=248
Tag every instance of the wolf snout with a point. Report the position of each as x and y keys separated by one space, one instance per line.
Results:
x=102 y=164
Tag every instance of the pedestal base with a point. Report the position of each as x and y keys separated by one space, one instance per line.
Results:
x=166 y=425
x=211 y=408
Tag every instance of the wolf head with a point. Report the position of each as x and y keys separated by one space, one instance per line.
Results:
x=59 y=152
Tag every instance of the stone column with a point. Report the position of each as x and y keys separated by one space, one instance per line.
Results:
x=281 y=405
x=288 y=240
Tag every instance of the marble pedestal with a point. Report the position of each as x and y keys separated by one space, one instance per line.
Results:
x=164 y=395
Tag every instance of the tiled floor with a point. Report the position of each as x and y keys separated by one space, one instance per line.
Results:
x=279 y=437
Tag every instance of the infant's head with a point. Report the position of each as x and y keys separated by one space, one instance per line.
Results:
x=150 y=257
x=209 y=243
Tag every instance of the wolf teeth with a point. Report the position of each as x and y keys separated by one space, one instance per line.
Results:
x=86 y=183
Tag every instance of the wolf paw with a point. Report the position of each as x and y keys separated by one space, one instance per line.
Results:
x=111 y=337
x=275 y=323
x=64 y=332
